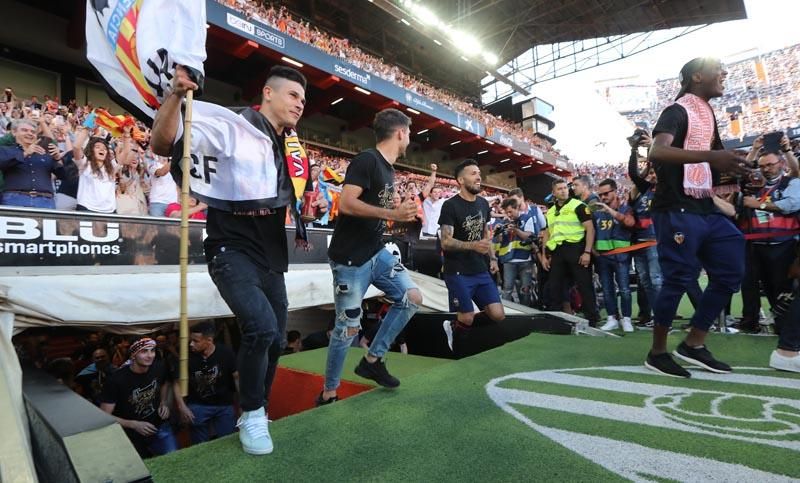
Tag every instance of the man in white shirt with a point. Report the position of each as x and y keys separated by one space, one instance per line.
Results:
x=163 y=189
x=431 y=204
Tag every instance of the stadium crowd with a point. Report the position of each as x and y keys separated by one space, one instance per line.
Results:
x=761 y=96
x=123 y=176
x=280 y=18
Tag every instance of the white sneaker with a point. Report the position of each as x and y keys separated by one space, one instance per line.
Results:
x=626 y=324
x=783 y=363
x=254 y=432
x=611 y=324
x=730 y=320
x=448 y=331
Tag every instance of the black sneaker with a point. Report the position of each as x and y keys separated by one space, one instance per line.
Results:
x=664 y=364
x=747 y=327
x=320 y=401
x=701 y=357
x=377 y=372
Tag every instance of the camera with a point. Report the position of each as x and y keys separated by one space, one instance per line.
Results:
x=501 y=227
x=637 y=136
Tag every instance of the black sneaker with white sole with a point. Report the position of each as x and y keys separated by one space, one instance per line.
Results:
x=701 y=357
x=664 y=364
x=377 y=372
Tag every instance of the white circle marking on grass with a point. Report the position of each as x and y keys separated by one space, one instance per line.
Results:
x=778 y=419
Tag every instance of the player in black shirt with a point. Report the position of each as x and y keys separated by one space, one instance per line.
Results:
x=247 y=253
x=688 y=158
x=212 y=385
x=358 y=257
x=137 y=395
x=469 y=261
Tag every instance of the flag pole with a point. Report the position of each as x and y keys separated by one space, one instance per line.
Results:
x=184 y=245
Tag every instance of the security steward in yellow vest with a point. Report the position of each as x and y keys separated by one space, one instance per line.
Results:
x=568 y=242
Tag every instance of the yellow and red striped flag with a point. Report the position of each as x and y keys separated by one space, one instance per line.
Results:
x=330 y=175
x=112 y=124
x=135 y=45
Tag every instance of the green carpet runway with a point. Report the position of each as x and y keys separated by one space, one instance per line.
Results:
x=515 y=414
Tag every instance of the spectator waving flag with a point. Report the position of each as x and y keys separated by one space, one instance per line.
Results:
x=331 y=175
x=136 y=44
x=113 y=124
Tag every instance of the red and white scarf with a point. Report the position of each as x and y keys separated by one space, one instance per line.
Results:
x=697 y=178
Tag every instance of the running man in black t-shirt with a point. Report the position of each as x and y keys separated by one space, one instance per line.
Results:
x=137 y=395
x=469 y=261
x=212 y=385
x=688 y=158
x=358 y=258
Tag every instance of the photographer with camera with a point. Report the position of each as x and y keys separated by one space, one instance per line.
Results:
x=516 y=236
x=770 y=208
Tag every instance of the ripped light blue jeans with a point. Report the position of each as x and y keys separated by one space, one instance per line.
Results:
x=350 y=283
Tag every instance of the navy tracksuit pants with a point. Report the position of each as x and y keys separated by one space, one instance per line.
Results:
x=688 y=242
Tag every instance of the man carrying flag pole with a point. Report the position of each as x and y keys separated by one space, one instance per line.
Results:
x=246 y=246
x=250 y=167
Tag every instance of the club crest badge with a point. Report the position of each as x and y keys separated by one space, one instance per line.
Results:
x=679 y=238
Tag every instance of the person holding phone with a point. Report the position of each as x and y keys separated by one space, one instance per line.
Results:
x=28 y=166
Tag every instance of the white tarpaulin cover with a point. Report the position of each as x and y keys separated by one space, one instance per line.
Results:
x=151 y=298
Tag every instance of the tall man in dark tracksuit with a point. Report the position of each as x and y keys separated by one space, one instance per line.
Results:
x=688 y=157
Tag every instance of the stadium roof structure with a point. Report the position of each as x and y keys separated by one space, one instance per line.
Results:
x=580 y=34
x=241 y=62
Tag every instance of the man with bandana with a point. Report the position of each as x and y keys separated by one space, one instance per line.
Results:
x=138 y=395
x=688 y=158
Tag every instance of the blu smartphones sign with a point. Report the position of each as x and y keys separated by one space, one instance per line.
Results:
x=40 y=238
x=50 y=238
x=32 y=236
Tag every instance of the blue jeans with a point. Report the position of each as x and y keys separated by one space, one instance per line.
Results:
x=161 y=443
x=257 y=297
x=27 y=201
x=158 y=209
x=205 y=415
x=350 y=283
x=649 y=272
x=610 y=268
x=519 y=274
x=688 y=242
